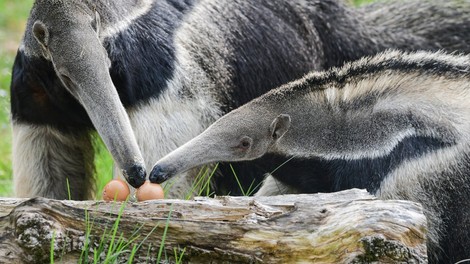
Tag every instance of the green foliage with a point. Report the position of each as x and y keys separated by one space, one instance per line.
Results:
x=111 y=245
x=12 y=19
x=362 y=2
x=114 y=246
x=103 y=166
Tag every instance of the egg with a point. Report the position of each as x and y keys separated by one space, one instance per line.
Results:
x=116 y=189
x=149 y=191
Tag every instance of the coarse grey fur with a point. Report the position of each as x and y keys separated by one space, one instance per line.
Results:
x=410 y=107
x=433 y=21
x=225 y=54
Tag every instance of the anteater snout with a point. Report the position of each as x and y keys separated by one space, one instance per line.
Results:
x=135 y=175
x=159 y=174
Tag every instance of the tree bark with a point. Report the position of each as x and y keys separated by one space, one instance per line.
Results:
x=345 y=227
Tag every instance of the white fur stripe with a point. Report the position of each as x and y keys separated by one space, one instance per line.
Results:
x=124 y=22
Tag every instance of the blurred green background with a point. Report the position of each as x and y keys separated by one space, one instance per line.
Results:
x=13 y=15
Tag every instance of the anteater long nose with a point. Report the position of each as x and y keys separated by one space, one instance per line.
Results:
x=135 y=175
x=159 y=174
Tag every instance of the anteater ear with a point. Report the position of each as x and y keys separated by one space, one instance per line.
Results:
x=41 y=34
x=279 y=126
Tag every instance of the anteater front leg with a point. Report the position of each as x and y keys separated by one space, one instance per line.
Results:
x=44 y=158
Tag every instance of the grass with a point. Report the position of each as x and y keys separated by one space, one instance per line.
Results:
x=201 y=185
x=113 y=247
x=250 y=190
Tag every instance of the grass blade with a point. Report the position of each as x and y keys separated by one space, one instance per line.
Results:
x=114 y=230
x=52 y=247
x=160 y=250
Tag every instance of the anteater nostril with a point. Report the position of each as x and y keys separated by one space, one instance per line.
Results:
x=135 y=175
x=158 y=174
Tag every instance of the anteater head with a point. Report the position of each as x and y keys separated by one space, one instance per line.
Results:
x=62 y=39
x=243 y=134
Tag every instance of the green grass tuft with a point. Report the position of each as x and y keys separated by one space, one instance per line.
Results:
x=179 y=254
x=247 y=192
x=111 y=245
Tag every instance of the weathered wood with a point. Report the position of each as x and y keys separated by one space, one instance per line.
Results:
x=343 y=227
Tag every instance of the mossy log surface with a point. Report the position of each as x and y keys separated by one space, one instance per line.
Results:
x=344 y=227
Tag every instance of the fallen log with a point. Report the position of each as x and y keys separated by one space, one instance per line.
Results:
x=344 y=227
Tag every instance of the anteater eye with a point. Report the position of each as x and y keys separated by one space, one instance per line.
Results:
x=245 y=143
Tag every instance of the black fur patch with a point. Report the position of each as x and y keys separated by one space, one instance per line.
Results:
x=320 y=175
x=267 y=56
x=143 y=55
x=291 y=171
x=453 y=198
x=38 y=96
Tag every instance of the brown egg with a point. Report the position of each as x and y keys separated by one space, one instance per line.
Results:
x=116 y=189
x=149 y=191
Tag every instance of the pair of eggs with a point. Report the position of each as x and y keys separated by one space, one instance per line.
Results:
x=118 y=190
